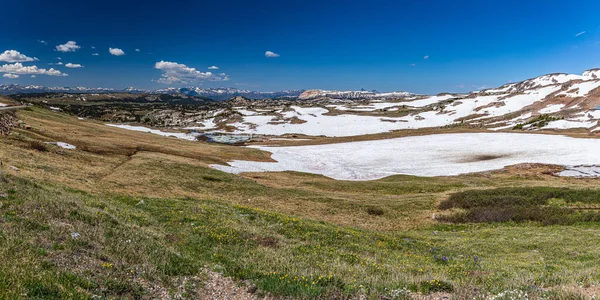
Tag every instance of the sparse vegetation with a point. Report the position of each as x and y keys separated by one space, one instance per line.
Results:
x=538 y=122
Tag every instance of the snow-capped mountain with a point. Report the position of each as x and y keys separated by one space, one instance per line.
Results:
x=227 y=93
x=212 y=93
x=8 y=89
x=313 y=94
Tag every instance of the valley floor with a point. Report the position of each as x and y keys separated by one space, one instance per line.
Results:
x=135 y=215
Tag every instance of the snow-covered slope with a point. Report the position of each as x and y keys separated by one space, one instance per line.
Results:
x=555 y=101
x=429 y=155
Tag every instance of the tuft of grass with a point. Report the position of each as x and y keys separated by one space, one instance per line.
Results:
x=39 y=146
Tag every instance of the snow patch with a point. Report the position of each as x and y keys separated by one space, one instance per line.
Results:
x=62 y=145
x=552 y=108
x=179 y=135
x=431 y=155
x=581 y=89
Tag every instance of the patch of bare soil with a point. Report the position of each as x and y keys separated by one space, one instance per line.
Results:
x=217 y=286
x=588 y=291
x=296 y=120
x=526 y=169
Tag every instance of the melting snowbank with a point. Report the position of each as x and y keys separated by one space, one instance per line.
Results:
x=179 y=135
x=63 y=145
x=430 y=155
x=581 y=171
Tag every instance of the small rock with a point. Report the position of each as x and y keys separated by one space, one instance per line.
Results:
x=435 y=232
x=141 y=203
x=252 y=289
x=14 y=168
x=75 y=235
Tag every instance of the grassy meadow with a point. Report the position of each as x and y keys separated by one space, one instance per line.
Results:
x=131 y=215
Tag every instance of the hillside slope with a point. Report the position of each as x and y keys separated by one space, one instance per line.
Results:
x=133 y=215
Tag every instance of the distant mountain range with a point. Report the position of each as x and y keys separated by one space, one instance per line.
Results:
x=212 y=93
x=591 y=77
x=227 y=93
x=10 y=89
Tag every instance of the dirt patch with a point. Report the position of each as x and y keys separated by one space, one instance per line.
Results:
x=587 y=291
x=218 y=286
x=265 y=241
x=296 y=120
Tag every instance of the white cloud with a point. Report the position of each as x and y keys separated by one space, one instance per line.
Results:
x=412 y=65
x=18 y=68
x=73 y=66
x=137 y=50
x=70 y=46
x=213 y=68
x=271 y=54
x=116 y=51
x=93 y=47
x=426 y=57
x=95 y=54
x=59 y=58
x=15 y=56
x=179 y=73
x=11 y=76
x=581 y=33
x=59 y=63
x=33 y=76
x=43 y=42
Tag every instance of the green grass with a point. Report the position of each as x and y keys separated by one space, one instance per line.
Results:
x=124 y=243
x=127 y=244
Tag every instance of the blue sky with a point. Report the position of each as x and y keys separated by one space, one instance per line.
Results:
x=422 y=46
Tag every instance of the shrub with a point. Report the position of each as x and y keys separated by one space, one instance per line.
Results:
x=39 y=146
x=375 y=211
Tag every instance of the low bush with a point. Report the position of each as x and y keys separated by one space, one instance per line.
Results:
x=39 y=146
x=375 y=211
x=538 y=204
